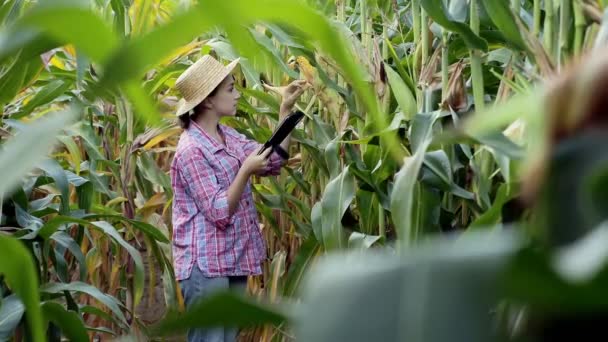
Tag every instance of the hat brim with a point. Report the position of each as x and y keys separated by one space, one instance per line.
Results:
x=184 y=106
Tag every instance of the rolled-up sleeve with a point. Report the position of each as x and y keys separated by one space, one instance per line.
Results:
x=211 y=199
x=275 y=162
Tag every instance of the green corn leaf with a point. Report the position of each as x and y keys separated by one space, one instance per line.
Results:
x=436 y=9
x=17 y=266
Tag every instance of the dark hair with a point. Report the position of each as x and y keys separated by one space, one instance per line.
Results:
x=185 y=119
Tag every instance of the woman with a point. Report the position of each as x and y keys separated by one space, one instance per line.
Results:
x=216 y=239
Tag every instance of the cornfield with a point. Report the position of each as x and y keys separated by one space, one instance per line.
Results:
x=448 y=182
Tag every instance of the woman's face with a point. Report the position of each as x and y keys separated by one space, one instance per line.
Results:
x=225 y=99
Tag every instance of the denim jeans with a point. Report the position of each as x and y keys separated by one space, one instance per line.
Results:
x=197 y=287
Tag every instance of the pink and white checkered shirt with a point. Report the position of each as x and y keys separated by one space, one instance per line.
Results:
x=204 y=233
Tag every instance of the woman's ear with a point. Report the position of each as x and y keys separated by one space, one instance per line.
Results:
x=207 y=103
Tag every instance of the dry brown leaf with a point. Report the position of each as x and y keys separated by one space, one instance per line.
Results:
x=428 y=70
x=456 y=97
x=504 y=89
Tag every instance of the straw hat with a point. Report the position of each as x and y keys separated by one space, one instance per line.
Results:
x=199 y=80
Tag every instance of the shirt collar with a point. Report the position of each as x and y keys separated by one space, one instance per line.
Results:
x=200 y=136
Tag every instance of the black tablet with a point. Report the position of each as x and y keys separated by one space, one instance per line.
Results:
x=283 y=129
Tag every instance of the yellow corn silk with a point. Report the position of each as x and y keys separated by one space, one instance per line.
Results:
x=329 y=97
x=307 y=71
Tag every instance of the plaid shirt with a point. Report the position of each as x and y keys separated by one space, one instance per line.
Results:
x=204 y=233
